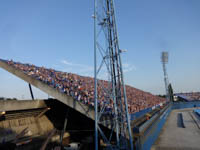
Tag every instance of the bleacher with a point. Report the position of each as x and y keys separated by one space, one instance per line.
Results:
x=78 y=87
x=191 y=96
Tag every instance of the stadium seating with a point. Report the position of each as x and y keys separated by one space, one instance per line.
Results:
x=82 y=88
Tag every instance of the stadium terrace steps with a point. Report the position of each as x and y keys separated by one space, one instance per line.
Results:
x=80 y=107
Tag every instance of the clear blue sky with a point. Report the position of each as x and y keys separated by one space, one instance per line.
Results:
x=59 y=34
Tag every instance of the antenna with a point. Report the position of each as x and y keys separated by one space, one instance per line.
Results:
x=111 y=108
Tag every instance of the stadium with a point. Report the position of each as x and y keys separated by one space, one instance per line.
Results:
x=96 y=107
x=74 y=94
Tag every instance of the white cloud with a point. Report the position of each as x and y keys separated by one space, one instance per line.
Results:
x=72 y=64
x=86 y=70
x=77 y=68
x=128 y=67
x=66 y=62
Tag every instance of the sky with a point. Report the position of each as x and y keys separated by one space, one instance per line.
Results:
x=59 y=34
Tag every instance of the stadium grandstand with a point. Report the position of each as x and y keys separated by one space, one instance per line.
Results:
x=191 y=96
x=69 y=118
x=81 y=88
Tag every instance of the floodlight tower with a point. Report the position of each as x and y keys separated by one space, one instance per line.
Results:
x=164 y=60
x=109 y=96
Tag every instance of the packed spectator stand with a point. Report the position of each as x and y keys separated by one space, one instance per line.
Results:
x=82 y=88
x=192 y=96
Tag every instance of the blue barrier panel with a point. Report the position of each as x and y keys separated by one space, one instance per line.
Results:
x=140 y=113
x=153 y=132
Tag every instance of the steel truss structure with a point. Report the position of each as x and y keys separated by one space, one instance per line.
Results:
x=164 y=60
x=111 y=108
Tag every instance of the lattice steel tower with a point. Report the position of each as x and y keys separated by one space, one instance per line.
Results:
x=111 y=108
x=164 y=60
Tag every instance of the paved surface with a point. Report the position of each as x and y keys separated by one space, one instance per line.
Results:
x=173 y=137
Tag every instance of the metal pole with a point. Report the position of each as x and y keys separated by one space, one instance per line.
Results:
x=166 y=80
x=164 y=60
x=30 y=88
x=64 y=127
x=95 y=78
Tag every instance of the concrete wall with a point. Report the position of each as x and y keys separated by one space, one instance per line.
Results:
x=9 y=105
x=22 y=114
x=18 y=120
x=35 y=127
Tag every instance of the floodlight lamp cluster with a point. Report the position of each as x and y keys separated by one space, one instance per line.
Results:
x=164 y=57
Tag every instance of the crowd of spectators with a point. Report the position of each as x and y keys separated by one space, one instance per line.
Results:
x=192 y=96
x=82 y=88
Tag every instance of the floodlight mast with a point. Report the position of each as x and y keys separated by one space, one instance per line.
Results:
x=164 y=60
x=111 y=107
